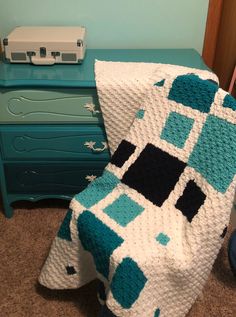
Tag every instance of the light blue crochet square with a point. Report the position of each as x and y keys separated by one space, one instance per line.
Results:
x=163 y=239
x=140 y=113
x=98 y=189
x=214 y=154
x=123 y=210
x=177 y=129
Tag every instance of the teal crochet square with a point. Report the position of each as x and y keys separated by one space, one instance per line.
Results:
x=123 y=210
x=98 y=239
x=214 y=154
x=160 y=83
x=193 y=92
x=163 y=239
x=177 y=129
x=157 y=313
x=229 y=102
x=127 y=283
x=64 y=231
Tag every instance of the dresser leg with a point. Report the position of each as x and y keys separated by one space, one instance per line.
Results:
x=8 y=210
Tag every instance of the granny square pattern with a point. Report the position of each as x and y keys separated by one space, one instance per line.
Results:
x=151 y=226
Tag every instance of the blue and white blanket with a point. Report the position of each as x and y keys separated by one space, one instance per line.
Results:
x=151 y=226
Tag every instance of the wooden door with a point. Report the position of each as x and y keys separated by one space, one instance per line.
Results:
x=225 y=54
x=219 y=51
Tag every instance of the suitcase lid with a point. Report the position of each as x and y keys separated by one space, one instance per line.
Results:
x=44 y=34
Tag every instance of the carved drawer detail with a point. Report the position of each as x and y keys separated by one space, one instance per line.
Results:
x=42 y=106
x=55 y=144
x=50 y=178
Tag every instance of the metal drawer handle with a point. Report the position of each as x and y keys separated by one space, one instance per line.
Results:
x=91 y=107
x=91 y=144
x=90 y=178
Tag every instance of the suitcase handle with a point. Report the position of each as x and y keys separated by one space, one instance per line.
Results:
x=42 y=61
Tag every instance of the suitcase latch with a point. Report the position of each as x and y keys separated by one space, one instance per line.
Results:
x=43 y=52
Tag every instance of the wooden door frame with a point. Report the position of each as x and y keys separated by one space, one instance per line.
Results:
x=211 y=31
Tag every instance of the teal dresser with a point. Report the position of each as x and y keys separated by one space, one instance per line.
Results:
x=52 y=137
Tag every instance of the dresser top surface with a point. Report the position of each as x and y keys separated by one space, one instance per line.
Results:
x=22 y=75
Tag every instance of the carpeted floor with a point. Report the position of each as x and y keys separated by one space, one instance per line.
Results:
x=24 y=244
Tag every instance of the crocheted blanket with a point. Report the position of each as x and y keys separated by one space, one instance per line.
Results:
x=151 y=226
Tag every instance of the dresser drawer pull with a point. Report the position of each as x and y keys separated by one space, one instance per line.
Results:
x=91 y=107
x=91 y=144
x=90 y=178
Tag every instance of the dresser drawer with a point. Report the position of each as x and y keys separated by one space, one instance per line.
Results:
x=52 y=178
x=55 y=142
x=49 y=106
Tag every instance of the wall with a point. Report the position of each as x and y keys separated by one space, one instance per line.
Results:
x=116 y=23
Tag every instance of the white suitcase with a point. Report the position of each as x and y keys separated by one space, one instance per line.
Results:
x=45 y=45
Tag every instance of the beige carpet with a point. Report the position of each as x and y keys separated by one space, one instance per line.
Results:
x=24 y=244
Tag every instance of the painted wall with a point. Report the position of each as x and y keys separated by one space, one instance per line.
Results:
x=116 y=23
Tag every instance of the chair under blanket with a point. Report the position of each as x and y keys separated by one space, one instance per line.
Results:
x=151 y=226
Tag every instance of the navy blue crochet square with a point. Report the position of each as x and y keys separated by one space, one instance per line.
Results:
x=122 y=154
x=154 y=174
x=70 y=270
x=191 y=200
x=223 y=234
x=194 y=92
